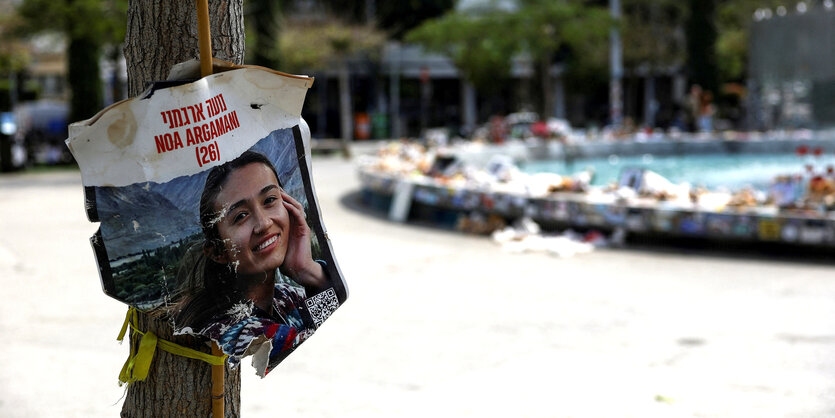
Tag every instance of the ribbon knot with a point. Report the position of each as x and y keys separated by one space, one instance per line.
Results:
x=138 y=364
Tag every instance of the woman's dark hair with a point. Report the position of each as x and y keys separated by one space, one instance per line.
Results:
x=209 y=288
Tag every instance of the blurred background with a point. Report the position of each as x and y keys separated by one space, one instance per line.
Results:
x=542 y=207
x=387 y=70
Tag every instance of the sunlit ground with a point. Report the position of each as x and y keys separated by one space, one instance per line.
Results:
x=445 y=324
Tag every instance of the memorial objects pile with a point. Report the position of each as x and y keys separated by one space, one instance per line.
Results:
x=796 y=208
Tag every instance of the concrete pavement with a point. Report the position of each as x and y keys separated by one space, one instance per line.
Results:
x=444 y=324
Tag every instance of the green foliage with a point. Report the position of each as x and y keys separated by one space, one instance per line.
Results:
x=394 y=17
x=398 y=17
x=153 y=274
x=482 y=44
x=733 y=22
x=88 y=25
x=652 y=34
x=305 y=46
x=474 y=44
x=542 y=27
x=723 y=31
x=716 y=35
x=350 y=11
x=732 y=53
x=265 y=18
x=587 y=45
x=14 y=56
x=103 y=21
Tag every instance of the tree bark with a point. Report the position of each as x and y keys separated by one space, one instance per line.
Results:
x=161 y=33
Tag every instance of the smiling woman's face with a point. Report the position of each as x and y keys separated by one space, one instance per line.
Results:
x=255 y=225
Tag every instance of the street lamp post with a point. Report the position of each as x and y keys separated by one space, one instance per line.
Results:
x=616 y=65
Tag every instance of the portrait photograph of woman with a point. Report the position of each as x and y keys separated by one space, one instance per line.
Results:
x=253 y=270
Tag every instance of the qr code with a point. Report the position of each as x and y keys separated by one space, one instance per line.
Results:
x=322 y=306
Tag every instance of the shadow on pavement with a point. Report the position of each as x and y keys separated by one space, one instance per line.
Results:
x=755 y=251
x=354 y=201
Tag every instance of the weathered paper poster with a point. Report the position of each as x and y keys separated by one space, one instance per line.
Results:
x=208 y=214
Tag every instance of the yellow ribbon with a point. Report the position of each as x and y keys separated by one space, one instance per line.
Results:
x=139 y=361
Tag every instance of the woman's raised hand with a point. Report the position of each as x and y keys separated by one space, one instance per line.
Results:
x=298 y=262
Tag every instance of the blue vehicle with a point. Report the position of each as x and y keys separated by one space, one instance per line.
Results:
x=42 y=126
x=12 y=150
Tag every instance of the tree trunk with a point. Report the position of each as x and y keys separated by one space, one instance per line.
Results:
x=83 y=76
x=163 y=33
x=547 y=89
x=160 y=34
x=345 y=109
x=116 y=90
x=701 y=35
x=394 y=96
x=650 y=103
x=266 y=20
x=469 y=113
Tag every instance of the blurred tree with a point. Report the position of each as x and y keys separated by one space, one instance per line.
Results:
x=483 y=43
x=88 y=25
x=482 y=53
x=568 y=32
x=653 y=33
x=351 y=11
x=733 y=22
x=314 y=45
x=702 y=66
x=710 y=37
x=13 y=54
x=265 y=16
x=653 y=44
x=329 y=38
x=14 y=57
x=393 y=17
x=399 y=17
x=365 y=24
x=114 y=36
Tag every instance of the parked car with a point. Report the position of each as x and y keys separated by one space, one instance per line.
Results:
x=12 y=150
x=43 y=125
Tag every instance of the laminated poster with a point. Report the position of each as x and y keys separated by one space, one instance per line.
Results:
x=207 y=211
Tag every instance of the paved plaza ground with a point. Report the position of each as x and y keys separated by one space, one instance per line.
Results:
x=442 y=324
